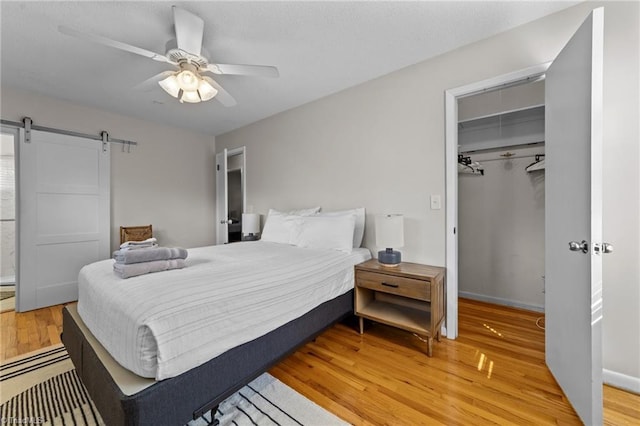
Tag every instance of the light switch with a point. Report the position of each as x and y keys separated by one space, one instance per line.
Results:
x=435 y=202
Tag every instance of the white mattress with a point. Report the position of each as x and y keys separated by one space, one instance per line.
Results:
x=162 y=324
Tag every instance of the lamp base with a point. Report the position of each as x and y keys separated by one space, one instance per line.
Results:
x=389 y=258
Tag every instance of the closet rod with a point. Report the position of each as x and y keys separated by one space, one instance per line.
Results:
x=64 y=132
x=513 y=157
x=529 y=79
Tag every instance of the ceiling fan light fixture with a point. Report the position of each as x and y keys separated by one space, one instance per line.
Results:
x=190 y=96
x=170 y=85
x=206 y=90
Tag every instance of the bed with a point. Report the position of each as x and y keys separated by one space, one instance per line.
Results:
x=118 y=337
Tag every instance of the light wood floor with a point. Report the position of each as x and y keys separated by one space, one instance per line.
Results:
x=494 y=373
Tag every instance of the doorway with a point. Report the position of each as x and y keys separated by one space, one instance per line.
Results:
x=230 y=194
x=236 y=204
x=8 y=250
x=501 y=196
x=452 y=97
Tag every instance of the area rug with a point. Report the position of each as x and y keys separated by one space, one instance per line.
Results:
x=42 y=388
x=7 y=298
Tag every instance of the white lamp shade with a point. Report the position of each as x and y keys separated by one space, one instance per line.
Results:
x=390 y=231
x=250 y=223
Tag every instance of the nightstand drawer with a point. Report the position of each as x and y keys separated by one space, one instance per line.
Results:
x=408 y=287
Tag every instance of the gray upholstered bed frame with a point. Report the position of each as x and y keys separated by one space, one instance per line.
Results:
x=177 y=400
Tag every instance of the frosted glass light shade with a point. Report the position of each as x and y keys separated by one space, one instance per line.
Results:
x=170 y=85
x=191 y=97
x=206 y=90
x=250 y=223
x=188 y=80
x=390 y=231
x=199 y=91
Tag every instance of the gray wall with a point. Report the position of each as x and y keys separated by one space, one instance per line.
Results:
x=380 y=145
x=501 y=230
x=167 y=180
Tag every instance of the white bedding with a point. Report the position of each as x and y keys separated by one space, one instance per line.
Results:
x=162 y=324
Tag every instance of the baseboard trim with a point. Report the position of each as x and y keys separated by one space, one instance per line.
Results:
x=622 y=381
x=500 y=301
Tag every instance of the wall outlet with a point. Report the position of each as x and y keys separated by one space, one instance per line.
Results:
x=436 y=204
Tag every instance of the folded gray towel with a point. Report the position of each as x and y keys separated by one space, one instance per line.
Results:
x=135 y=269
x=149 y=254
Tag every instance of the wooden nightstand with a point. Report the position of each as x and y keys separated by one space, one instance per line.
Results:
x=409 y=296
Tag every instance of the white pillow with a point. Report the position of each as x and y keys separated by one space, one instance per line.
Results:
x=278 y=228
x=325 y=232
x=301 y=212
x=358 y=233
x=281 y=227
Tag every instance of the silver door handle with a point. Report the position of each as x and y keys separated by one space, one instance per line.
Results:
x=579 y=246
x=607 y=248
x=223 y=222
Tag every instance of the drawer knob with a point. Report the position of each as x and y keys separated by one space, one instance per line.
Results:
x=390 y=285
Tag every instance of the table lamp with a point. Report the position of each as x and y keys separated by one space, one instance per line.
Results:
x=250 y=226
x=390 y=234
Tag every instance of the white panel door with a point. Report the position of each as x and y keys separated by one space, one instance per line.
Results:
x=222 y=200
x=573 y=297
x=64 y=215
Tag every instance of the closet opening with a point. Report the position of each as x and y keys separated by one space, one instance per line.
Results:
x=231 y=169
x=501 y=197
x=236 y=204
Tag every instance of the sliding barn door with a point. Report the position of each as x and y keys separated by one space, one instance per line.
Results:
x=64 y=215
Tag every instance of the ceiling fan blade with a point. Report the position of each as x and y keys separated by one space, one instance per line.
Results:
x=189 y=30
x=254 y=70
x=223 y=96
x=115 y=44
x=152 y=83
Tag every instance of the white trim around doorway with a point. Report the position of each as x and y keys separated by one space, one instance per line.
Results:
x=451 y=178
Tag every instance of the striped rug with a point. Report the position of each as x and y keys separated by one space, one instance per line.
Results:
x=42 y=388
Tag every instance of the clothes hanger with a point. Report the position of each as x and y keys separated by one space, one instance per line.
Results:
x=466 y=166
x=538 y=164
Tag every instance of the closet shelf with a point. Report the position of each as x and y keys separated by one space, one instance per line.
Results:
x=509 y=113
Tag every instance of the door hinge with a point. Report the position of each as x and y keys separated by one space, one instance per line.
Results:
x=27 y=129
x=105 y=140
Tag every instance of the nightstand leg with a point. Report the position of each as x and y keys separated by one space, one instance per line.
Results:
x=361 y=325
x=430 y=346
x=438 y=336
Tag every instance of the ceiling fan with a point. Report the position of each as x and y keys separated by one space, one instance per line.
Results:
x=186 y=54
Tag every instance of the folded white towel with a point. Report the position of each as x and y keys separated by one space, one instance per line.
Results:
x=139 y=247
x=146 y=243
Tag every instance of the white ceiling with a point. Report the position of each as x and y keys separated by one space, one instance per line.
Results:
x=319 y=47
